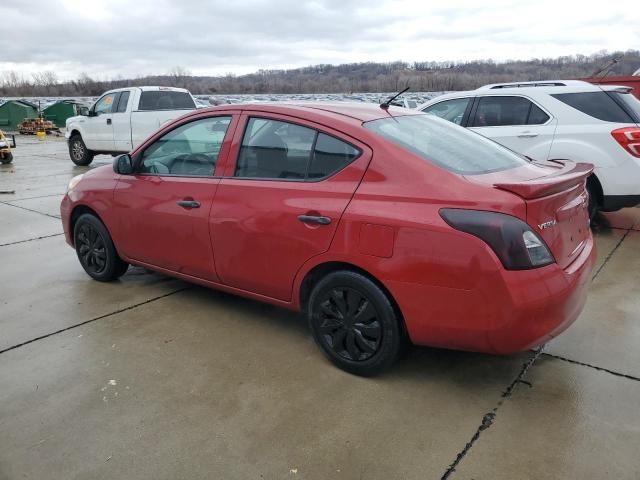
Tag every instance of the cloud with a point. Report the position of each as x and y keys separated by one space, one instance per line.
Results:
x=108 y=38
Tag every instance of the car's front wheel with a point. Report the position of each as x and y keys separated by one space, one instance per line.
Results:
x=96 y=251
x=354 y=323
x=78 y=151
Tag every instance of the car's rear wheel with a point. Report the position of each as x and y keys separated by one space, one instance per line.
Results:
x=96 y=251
x=78 y=151
x=594 y=198
x=354 y=323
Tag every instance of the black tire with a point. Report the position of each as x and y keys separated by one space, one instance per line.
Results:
x=594 y=203
x=7 y=158
x=78 y=151
x=96 y=251
x=354 y=323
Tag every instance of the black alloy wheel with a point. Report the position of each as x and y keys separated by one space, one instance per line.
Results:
x=349 y=324
x=95 y=249
x=354 y=323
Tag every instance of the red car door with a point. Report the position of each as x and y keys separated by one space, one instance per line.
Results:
x=164 y=208
x=280 y=202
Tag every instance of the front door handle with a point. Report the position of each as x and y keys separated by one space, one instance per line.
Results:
x=188 y=204
x=317 y=219
x=108 y=121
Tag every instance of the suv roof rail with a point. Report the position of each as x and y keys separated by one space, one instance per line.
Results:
x=539 y=83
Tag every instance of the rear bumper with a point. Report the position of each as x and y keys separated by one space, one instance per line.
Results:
x=505 y=312
x=611 y=203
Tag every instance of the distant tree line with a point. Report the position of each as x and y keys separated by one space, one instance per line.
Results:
x=345 y=78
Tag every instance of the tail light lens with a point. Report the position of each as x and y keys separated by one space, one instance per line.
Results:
x=516 y=245
x=629 y=139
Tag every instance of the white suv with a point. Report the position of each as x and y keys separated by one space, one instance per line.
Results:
x=598 y=124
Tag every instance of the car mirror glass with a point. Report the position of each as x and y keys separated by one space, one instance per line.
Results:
x=123 y=165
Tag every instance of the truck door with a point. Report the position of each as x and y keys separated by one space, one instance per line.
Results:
x=98 y=129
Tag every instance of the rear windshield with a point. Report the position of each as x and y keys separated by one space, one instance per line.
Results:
x=629 y=102
x=165 y=100
x=445 y=144
x=600 y=105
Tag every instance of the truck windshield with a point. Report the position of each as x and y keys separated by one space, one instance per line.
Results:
x=165 y=100
x=445 y=144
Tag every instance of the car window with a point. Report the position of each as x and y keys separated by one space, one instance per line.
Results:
x=105 y=104
x=330 y=155
x=122 y=102
x=448 y=146
x=272 y=149
x=629 y=102
x=189 y=150
x=595 y=104
x=497 y=111
x=165 y=100
x=452 y=110
x=537 y=116
x=275 y=149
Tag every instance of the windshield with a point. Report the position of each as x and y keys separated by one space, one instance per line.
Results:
x=445 y=144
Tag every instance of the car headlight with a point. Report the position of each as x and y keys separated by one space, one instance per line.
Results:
x=74 y=181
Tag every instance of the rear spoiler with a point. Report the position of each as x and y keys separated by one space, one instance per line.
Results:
x=570 y=175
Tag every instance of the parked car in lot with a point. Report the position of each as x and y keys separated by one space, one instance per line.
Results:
x=383 y=225
x=121 y=119
x=560 y=119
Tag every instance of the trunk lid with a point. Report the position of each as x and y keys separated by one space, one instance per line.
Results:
x=556 y=202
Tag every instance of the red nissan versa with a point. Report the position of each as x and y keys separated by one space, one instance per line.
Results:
x=383 y=225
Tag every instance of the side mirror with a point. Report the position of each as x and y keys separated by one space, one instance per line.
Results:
x=91 y=113
x=123 y=164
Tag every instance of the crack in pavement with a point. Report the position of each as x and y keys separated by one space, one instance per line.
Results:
x=606 y=260
x=31 y=239
x=600 y=369
x=33 y=198
x=91 y=320
x=30 y=210
x=489 y=417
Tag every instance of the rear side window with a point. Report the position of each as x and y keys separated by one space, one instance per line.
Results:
x=122 y=102
x=498 y=111
x=272 y=149
x=595 y=104
x=329 y=156
x=165 y=100
x=451 y=147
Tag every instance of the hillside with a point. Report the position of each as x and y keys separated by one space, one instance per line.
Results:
x=345 y=78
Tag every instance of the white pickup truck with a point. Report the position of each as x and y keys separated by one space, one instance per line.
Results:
x=121 y=119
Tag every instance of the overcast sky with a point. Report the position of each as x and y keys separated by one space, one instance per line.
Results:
x=111 y=38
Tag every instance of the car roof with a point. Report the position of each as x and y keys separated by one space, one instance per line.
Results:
x=348 y=111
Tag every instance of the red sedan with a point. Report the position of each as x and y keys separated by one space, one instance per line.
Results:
x=382 y=224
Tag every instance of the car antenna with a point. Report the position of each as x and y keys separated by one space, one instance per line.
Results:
x=385 y=105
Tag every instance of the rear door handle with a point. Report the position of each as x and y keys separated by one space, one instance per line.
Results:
x=317 y=219
x=527 y=135
x=108 y=121
x=188 y=204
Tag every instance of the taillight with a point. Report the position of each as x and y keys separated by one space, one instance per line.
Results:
x=516 y=245
x=629 y=139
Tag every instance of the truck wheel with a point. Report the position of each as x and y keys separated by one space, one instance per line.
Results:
x=78 y=151
x=6 y=158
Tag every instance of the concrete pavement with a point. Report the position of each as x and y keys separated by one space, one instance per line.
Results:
x=150 y=377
